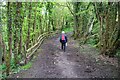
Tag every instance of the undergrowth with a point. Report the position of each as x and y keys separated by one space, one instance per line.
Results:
x=69 y=29
x=14 y=69
x=27 y=66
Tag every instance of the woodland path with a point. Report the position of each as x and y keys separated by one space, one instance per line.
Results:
x=76 y=62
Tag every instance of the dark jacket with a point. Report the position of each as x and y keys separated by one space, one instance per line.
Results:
x=63 y=41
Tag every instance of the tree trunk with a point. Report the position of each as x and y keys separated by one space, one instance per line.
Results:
x=1 y=48
x=21 y=31
x=29 y=24
x=8 y=56
x=53 y=25
x=101 y=35
x=21 y=22
x=76 y=21
x=119 y=18
x=40 y=25
x=34 y=24
x=17 y=30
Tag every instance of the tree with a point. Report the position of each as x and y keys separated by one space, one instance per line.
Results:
x=8 y=56
x=107 y=14
x=29 y=25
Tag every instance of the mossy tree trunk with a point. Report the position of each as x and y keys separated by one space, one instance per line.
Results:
x=9 y=26
x=29 y=25
x=76 y=20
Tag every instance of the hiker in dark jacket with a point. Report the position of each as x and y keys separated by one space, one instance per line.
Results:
x=63 y=40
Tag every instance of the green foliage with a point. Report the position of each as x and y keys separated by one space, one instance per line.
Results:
x=27 y=66
x=93 y=40
x=2 y=69
x=3 y=76
x=118 y=53
x=95 y=28
x=13 y=63
x=18 y=68
x=41 y=15
x=68 y=29
x=47 y=16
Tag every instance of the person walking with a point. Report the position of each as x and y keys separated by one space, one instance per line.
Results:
x=63 y=41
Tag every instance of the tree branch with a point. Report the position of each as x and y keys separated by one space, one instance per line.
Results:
x=70 y=9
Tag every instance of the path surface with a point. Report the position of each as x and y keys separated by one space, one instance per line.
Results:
x=76 y=62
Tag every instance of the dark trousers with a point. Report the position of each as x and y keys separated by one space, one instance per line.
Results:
x=63 y=46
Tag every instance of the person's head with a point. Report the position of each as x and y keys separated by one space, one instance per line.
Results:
x=63 y=32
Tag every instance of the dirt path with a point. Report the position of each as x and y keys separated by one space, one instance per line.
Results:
x=76 y=62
